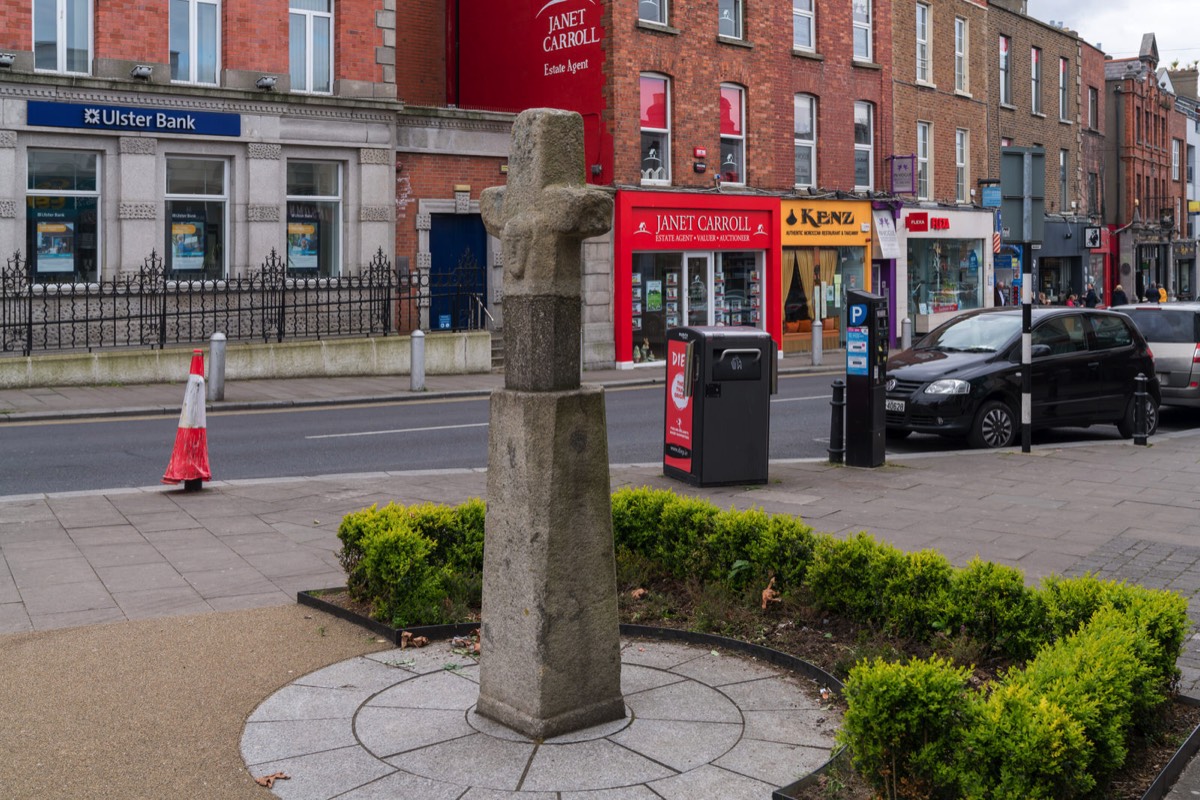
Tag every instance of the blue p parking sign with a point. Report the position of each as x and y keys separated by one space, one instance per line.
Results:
x=858 y=313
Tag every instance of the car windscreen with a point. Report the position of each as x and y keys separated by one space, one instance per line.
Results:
x=1169 y=326
x=979 y=333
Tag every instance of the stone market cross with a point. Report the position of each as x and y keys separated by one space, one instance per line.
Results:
x=551 y=660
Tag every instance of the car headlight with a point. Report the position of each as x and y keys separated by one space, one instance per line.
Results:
x=948 y=386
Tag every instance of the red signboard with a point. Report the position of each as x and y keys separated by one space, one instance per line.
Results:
x=690 y=228
x=917 y=221
x=514 y=55
x=677 y=450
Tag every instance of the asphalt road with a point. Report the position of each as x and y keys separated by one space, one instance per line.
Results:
x=122 y=452
x=126 y=452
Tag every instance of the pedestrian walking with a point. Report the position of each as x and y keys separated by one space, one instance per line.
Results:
x=1119 y=298
x=1091 y=299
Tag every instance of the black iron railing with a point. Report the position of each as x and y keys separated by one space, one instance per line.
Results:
x=150 y=308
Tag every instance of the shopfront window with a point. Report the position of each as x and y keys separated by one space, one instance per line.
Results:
x=62 y=215
x=314 y=218
x=694 y=288
x=197 y=197
x=815 y=282
x=738 y=290
x=944 y=275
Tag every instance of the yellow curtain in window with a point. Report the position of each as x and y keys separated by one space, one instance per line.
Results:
x=805 y=256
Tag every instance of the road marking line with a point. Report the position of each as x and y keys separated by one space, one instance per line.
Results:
x=795 y=399
x=398 y=430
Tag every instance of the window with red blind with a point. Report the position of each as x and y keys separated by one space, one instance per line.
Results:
x=733 y=134
x=656 y=128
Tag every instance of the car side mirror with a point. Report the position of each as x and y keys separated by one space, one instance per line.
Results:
x=1039 y=351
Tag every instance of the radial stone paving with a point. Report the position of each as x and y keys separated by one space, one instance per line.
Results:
x=402 y=724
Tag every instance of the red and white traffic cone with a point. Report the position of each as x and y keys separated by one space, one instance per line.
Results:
x=189 y=459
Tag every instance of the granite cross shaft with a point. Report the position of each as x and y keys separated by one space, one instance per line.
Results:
x=551 y=659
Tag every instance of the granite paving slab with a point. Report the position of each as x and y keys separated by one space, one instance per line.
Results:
x=402 y=724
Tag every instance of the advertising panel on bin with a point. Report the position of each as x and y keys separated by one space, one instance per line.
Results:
x=678 y=444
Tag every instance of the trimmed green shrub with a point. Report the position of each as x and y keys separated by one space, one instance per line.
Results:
x=685 y=526
x=1023 y=746
x=1097 y=675
x=991 y=603
x=848 y=576
x=405 y=586
x=1162 y=618
x=684 y=537
x=354 y=529
x=637 y=518
x=456 y=531
x=1070 y=603
x=905 y=725
x=916 y=595
x=1105 y=651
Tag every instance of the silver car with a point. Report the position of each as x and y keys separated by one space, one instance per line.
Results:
x=1173 y=332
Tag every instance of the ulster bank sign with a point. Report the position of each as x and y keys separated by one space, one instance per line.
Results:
x=126 y=118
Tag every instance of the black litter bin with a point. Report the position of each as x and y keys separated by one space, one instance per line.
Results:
x=718 y=405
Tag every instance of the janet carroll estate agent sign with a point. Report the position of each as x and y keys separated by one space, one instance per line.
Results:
x=519 y=54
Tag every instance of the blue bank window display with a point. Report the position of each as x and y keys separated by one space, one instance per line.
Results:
x=314 y=218
x=944 y=275
x=197 y=199
x=62 y=215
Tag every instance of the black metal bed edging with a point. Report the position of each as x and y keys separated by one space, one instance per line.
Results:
x=312 y=599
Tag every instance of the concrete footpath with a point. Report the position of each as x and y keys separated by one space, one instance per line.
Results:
x=140 y=628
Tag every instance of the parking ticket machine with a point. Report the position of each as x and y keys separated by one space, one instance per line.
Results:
x=867 y=333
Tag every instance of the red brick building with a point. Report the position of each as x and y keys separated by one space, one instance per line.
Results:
x=209 y=132
x=1039 y=102
x=1146 y=187
x=940 y=83
x=701 y=117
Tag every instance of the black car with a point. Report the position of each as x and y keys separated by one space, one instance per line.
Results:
x=963 y=378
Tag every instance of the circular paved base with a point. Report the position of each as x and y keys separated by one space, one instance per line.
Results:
x=402 y=724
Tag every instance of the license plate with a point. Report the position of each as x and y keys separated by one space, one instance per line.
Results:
x=893 y=405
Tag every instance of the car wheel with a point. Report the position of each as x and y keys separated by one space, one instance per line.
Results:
x=995 y=426
x=892 y=433
x=1126 y=426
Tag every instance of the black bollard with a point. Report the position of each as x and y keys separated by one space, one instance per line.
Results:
x=837 y=423
x=1139 y=409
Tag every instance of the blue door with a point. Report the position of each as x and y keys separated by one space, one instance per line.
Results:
x=458 y=271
